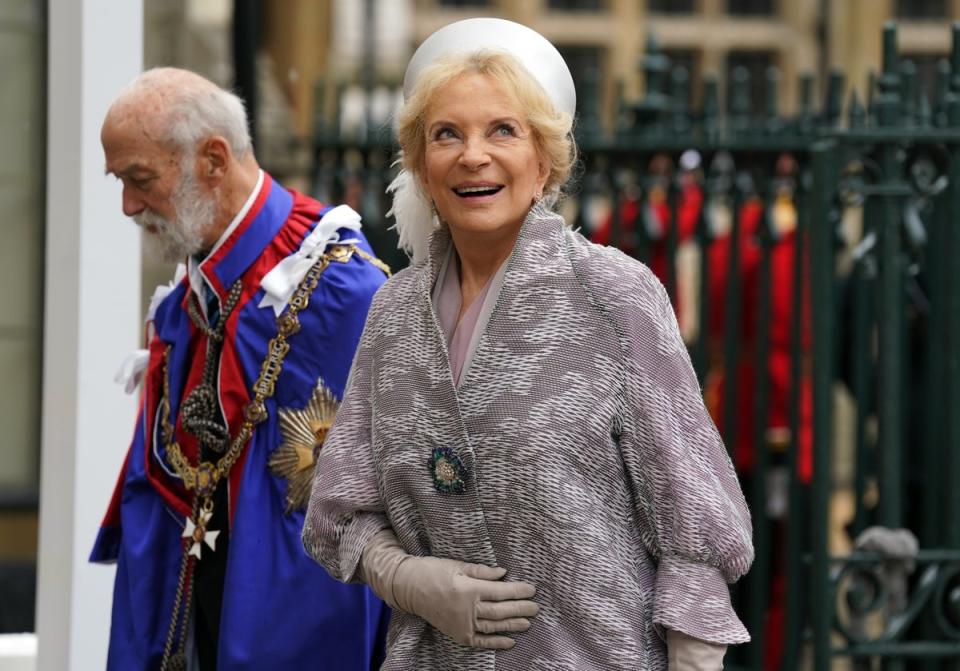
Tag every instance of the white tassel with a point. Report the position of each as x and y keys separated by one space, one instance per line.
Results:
x=413 y=214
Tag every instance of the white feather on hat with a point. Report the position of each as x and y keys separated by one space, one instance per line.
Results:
x=414 y=215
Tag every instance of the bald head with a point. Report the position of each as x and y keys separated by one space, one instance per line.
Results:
x=179 y=107
x=179 y=143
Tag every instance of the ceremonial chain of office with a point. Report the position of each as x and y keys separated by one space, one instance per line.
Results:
x=203 y=477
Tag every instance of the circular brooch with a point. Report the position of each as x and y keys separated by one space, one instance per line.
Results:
x=447 y=471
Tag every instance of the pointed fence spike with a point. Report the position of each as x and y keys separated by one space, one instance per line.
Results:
x=679 y=86
x=909 y=91
x=924 y=112
x=655 y=66
x=740 y=91
x=342 y=88
x=890 y=55
x=773 y=93
x=773 y=121
x=319 y=108
x=806 y=93
x=833 y=106
x=711 y=96
x=941 y=91
x=955 y=57
x=951 y=99
x=652 y=46
x=590 y=106
x=711 y=106
x=740 y=100
x=680 y=98
x=889 y=101
x=655 y=103
x=806 y=103
x=623 y=116
x=857 y=117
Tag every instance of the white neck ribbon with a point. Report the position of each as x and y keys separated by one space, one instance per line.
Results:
x=280 y=283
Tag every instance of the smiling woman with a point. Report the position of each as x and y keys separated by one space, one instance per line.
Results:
x=482 y=167
x=516 y=109
x=522 y=466
x=482 y=171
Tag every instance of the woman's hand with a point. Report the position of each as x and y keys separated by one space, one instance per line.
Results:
x=467 y=602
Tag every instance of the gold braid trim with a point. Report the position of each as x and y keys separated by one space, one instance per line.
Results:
x=374 y=260
x=205 y=476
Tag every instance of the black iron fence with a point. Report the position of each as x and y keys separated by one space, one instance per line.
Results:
x=812 y=260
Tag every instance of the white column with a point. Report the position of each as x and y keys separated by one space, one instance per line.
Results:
x=91 y=320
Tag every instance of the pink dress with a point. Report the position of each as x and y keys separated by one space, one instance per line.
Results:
x=462 y=337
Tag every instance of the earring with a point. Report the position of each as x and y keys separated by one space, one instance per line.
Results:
x=537 y=196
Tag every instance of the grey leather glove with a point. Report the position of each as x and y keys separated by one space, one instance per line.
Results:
x=686 y=653
x=467 y=602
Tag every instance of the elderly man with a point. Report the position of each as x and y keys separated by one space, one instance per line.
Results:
x=248 y=351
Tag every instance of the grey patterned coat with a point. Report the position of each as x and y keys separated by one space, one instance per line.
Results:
x=590 y=467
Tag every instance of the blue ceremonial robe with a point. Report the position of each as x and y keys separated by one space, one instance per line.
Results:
x=280 y=610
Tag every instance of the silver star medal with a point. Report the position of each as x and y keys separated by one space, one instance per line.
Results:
x=200 y=534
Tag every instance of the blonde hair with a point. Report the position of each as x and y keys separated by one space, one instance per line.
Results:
x=551 y=129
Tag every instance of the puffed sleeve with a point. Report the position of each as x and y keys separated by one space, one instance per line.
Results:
x=693 y=517
x=345 y=508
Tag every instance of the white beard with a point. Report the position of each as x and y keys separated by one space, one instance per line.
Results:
x=174 y=239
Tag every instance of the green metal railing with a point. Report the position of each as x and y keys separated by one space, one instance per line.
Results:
x=869 y=313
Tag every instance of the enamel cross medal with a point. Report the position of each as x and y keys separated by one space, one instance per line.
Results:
x=198 y=532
